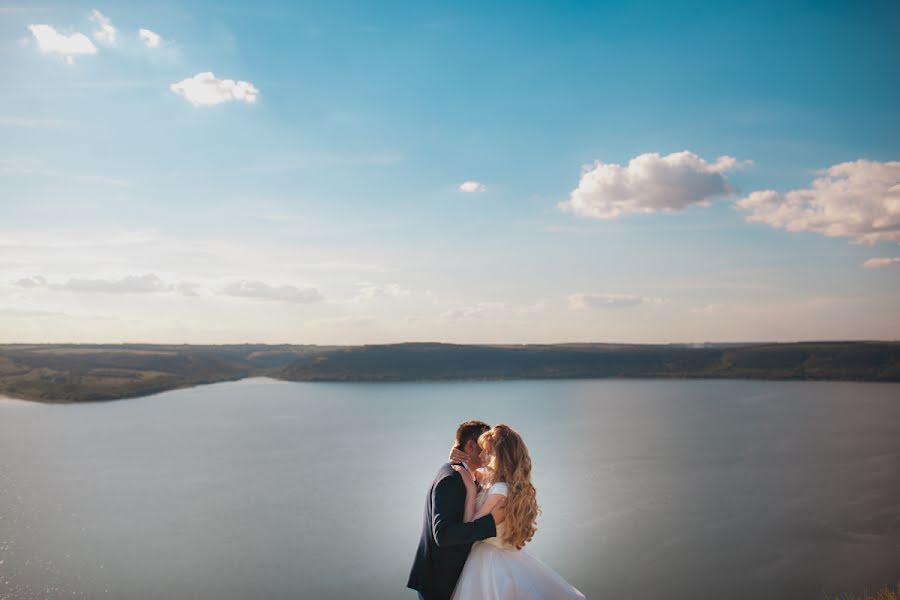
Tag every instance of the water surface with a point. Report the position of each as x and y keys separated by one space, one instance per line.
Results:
x=264 y=489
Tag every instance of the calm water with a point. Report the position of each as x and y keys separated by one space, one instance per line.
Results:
x=262 y=489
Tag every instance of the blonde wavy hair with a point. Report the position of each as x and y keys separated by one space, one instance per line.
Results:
x=510 y=463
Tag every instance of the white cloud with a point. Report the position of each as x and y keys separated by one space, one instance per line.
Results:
x=264 y=291
x=106 y=34
x=203 y=89
x=711 y=308
x=151 y=39
x=773 y=311
x=649 y=183
x=882 y=262
x=130 y=284
x=858 y=199
x=32 y=282
x=51 y=41
x=532 y=308
x=369 y=292
x=471 y=187
x=185 y=288
x=476 y=311
x=583 y=301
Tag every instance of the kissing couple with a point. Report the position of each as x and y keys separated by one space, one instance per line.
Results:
x=480 y=512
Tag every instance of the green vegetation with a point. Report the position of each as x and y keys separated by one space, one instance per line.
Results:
x=77 y=373
x=853 y=361
x=884 y=593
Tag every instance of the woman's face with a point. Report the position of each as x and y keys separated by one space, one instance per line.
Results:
x=485 y=457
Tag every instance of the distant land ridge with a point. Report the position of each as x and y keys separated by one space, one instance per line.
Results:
x=93 y=372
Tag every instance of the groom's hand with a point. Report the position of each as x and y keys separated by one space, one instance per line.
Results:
x=457 y=455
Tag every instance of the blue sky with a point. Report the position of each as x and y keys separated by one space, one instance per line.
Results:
x=322 y=197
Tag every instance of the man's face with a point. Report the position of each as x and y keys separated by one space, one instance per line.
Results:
x=474 y=453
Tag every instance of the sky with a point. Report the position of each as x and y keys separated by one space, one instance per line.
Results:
x=466 y=172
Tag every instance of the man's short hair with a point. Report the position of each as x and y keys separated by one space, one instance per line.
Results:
x=470 y=430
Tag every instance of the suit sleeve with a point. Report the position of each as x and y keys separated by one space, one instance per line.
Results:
x=448 y=501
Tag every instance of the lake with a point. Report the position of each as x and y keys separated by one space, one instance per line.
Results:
x=266 y=489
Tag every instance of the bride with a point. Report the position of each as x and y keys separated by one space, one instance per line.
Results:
x=500 y=568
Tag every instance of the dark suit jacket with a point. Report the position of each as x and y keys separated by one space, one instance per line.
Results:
x=446 y=540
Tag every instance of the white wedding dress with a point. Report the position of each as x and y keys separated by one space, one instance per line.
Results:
x=497 y=571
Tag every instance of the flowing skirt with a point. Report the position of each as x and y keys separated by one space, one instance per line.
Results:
x=495 y=573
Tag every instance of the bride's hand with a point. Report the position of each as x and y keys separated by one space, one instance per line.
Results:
x=467 y=478
x=457 y=455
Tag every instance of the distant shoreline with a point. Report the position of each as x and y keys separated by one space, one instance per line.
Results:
x=69 y=373
x=15 y=400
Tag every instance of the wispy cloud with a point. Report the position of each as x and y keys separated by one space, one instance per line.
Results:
x=131 y=284
x=882 y=262
x=474 y=311
x=649 y=183
x=774 y=308
x=148 y=283
x=105 y=34
x=369 y=292
x=532 y=308
x=712 y=308
x=150 y=38
x=263 y=291
x=583 y=301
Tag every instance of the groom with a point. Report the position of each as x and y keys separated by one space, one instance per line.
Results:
x=446 y=539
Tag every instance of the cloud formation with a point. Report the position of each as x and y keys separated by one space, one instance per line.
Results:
x=151 y=39
x=882 y=262
x=858 y=199
x=32 y=282
x=148 y=283
x=106 y=34
x=263 y=291
x=471 y=187
x=204 y=89
x=369 y=292
x=649 y=183
x=476 y=311
x=584 y=301
x=51 y=41
x=131 y=284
